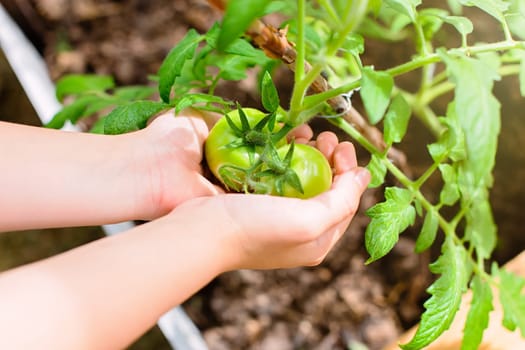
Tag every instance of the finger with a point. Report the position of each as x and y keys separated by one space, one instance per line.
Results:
x=326 y=143
x=210 y=118
x=344 y=157
x=166 y=114
x=205 y=188
x=342 y=200
x=301 y=132
x=317 y=250
x=196 y=126
x=302 y=141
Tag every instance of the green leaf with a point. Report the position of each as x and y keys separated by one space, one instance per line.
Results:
x=269 y=95
x=455 y=6
x=377 y=171
x=516 y=17
x=495 y=8
x=354 y=44
x=376 y=88
x=512 y=299
x=450 y=192
x=406 y=7
x=374 y=6
x=131 y=93
x=446 y=293
x=480 y=228
x=132 y=116
x=191 y=100
x=238 y=16
x=233 y=67
x=462 y=24
x=451 y=142
x=76 y=84
x=428 y=233
x=72 y=112
x=478 y=315
x=389 y=219
x=239 y=46
x=431 y=20
x=396 y=120
x=98 y=127
x=172 y=65
x=478 y=114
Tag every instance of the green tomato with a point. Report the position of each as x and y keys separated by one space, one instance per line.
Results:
x=312 y=169
x=225 y=152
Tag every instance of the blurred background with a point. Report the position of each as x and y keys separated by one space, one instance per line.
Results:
x=338 y=304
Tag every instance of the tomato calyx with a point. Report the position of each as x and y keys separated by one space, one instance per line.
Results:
x=255 y=136
x=247 y=151
x=269 y=167
x=280 y=170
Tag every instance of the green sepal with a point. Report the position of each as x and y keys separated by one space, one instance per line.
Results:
x=234 y=178
x=236 y=130
x=271 y=159
x=245 y=124
x=265 y=122
x=293 y=180
x=269 y=94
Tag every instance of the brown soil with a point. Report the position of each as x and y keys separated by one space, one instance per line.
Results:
x=339 y=304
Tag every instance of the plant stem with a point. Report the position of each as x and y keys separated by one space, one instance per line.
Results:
x=329 y=8
x=353 y=14
x=356 y=135
x=423 y=49
x=506 y=31
x=298 y=90
x=426 y=175
x=417 y=63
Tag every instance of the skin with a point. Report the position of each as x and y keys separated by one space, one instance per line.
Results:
x=107 y=293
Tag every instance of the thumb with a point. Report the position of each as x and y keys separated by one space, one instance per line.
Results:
x=342 y=200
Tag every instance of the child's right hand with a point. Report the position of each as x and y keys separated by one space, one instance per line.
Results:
x=263 y=232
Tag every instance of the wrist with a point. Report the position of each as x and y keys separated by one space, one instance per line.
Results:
x=205 y=221
x=137 y=168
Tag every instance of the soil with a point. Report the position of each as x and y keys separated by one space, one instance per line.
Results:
x=338 y=305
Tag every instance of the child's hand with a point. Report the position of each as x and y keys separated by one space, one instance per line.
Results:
x=259 y=231
x=170 y=152
x=171 y=165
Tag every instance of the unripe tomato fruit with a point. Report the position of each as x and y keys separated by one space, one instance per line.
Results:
x=219 y=148
x=227 y=152
x=312 y=168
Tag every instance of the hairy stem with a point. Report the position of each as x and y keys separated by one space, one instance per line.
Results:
x=417 y=63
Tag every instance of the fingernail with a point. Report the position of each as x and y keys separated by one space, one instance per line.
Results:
x=363 y=177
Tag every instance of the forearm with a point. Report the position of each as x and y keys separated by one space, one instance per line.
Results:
x=108 y=293
x=55 y=178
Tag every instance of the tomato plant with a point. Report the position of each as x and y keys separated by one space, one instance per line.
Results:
x=303 y=172
x=241 y=152
x=228 y=152
x=323 y=43
x=234 y=146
